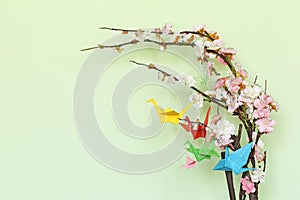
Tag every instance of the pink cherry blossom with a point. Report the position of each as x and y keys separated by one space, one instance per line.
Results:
x=243 y=73
x=265 y=125
x=233 y=84
x=248 y=101
x=228 y=51
x=220 y=60
x=262 y=101
x=264 y=113
x=247 y=185
x=220 y=82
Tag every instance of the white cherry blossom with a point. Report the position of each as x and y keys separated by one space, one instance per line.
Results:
x=186 y=79
x=258 y=176
x=197 y=100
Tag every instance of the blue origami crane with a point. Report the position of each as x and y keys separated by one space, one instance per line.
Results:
x=235 y=161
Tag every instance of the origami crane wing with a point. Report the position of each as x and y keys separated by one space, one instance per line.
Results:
x=189 y=163
x=236 y=160
x=169 y=111
x=169 y=115
x=239 y=158
x=203 y=152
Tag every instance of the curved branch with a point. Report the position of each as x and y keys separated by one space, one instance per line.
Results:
x=209 y=98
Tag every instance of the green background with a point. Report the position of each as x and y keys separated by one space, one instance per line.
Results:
x=41 y=156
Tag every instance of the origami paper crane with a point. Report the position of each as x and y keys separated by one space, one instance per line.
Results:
x=204 y=152
x=189 y=163
x=200 y=131
x=235 y=161
x=169 y=115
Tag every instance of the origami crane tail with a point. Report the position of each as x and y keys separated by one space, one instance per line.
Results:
x=187 y=127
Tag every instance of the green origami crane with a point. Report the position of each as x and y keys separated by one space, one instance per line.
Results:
x=204 y=152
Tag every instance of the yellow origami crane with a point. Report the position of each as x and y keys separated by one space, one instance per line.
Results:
x=169 y=115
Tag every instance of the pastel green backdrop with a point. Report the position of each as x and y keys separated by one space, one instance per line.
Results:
x=40 y=152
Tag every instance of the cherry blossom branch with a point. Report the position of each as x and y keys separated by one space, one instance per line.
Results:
x=125 y=31
x=100 y=46
x=205 y=34
x=226 y=59
x=209 y=98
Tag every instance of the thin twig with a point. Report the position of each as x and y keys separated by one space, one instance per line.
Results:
x=265 y=161
x=152 y=66
x=99 y=46
x=158 y=32
x=265 y=86
x=133 y=30
x=197 y=33
x=255 y=79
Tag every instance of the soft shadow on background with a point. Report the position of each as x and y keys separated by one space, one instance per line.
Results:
x=41 y=154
